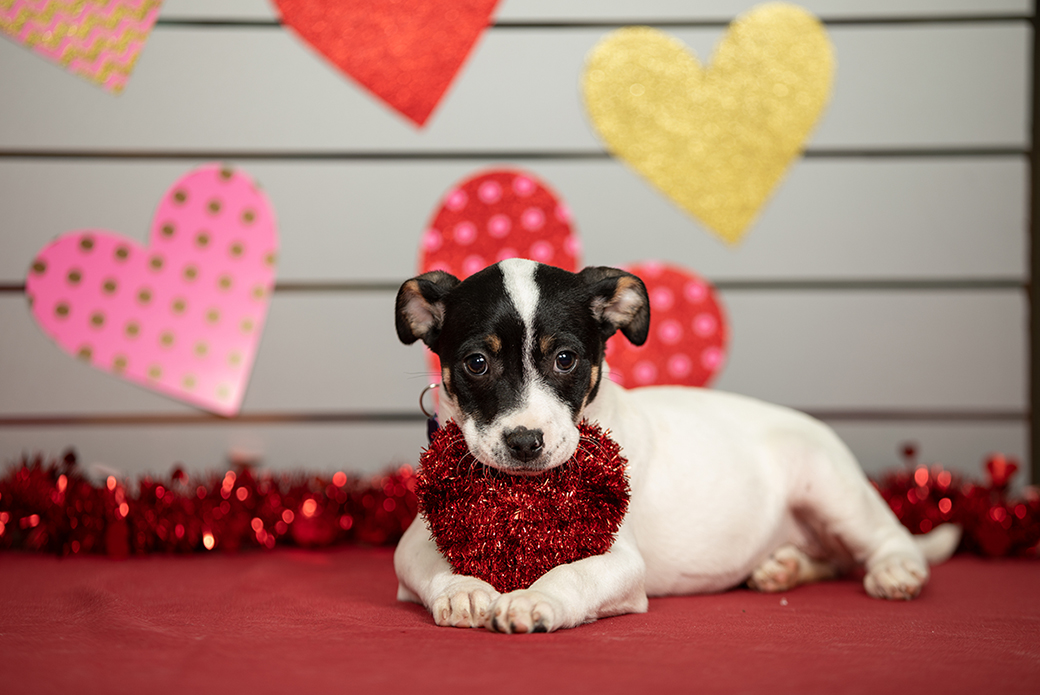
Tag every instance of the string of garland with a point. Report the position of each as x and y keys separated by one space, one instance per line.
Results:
x=994 y=524
x=52 y=506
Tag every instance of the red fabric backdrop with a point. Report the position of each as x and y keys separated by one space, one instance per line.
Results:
x=315 y=622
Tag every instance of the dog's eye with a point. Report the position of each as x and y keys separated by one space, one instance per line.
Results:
x=565 y=361
x=476 y=364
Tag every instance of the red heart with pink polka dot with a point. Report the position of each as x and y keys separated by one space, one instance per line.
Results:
x=688 y=332
x=505 y=213
x=493 y=216
x=496 y=215
x=183 y=315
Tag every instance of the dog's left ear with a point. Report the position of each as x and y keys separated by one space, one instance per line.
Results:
x=420 y=306
x=619 y=302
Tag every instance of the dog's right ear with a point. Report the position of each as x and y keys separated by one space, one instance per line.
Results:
x=420 y=306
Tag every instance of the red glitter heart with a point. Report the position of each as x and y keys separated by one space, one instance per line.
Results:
x=406 y=52
x=510 y=530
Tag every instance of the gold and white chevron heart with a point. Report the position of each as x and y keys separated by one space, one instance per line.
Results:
x=718 y=140
x=96 y=39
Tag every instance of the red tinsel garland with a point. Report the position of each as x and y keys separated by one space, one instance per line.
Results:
x=51 y=506
x=923 y=497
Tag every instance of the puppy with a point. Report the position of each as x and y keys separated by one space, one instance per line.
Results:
x=725 y=489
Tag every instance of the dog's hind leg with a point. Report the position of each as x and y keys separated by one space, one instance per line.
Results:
x=789 y=567
x=831 y=490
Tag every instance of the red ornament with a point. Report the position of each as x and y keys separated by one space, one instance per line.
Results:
x=1000 y=470
x=688 y=335
x=405 y=52
x=510 y=530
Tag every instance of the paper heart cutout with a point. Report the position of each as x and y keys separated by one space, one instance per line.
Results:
x=688 y=332
x=495 y=215
x=492 y=216
x=99 y=40
x=183 y=315
x=715 y=141
x=405 y=52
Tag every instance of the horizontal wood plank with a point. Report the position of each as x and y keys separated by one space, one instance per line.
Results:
x=962 y=447
x=893 y=350
x=642 y=11
x=904 y=350
x=223 y=90
x=836 y=220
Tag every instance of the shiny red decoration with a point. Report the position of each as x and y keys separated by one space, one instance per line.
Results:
x=689 y=332
x=406 y=52
x=1000 y=470
x=53 y=506
x=509 y=530
x=994 y=524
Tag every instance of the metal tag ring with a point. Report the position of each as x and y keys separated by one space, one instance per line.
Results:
x=422 y=396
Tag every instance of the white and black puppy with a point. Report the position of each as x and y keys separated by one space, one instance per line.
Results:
x=725 y=489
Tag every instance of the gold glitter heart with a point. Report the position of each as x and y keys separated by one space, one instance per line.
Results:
x=716 y=141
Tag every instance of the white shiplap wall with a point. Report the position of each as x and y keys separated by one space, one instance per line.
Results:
x=882 y=288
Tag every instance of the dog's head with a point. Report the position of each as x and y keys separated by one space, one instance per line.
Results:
x=521 y=348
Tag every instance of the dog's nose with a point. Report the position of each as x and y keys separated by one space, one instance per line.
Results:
x=524 y=444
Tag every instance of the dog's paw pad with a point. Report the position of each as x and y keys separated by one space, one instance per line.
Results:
x=778 y=573
x=896 y=578
x=522 y=612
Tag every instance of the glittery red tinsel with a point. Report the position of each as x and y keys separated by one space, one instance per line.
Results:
x=510 y=530
x=52 y=506
x=994 y=524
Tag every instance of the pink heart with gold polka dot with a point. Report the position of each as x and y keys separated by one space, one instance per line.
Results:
x=688 y=332
x=182 y=316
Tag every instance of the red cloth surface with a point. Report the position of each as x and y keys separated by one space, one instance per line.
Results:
x=316 y=622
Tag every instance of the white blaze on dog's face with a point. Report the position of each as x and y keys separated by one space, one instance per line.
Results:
x=521 y=348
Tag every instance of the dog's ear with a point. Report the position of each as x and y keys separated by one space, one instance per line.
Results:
x=420 y=306
x=619 y=302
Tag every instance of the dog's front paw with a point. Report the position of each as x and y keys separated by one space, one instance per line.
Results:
x=896 y=577
x=523 y=611
x=463 y=602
